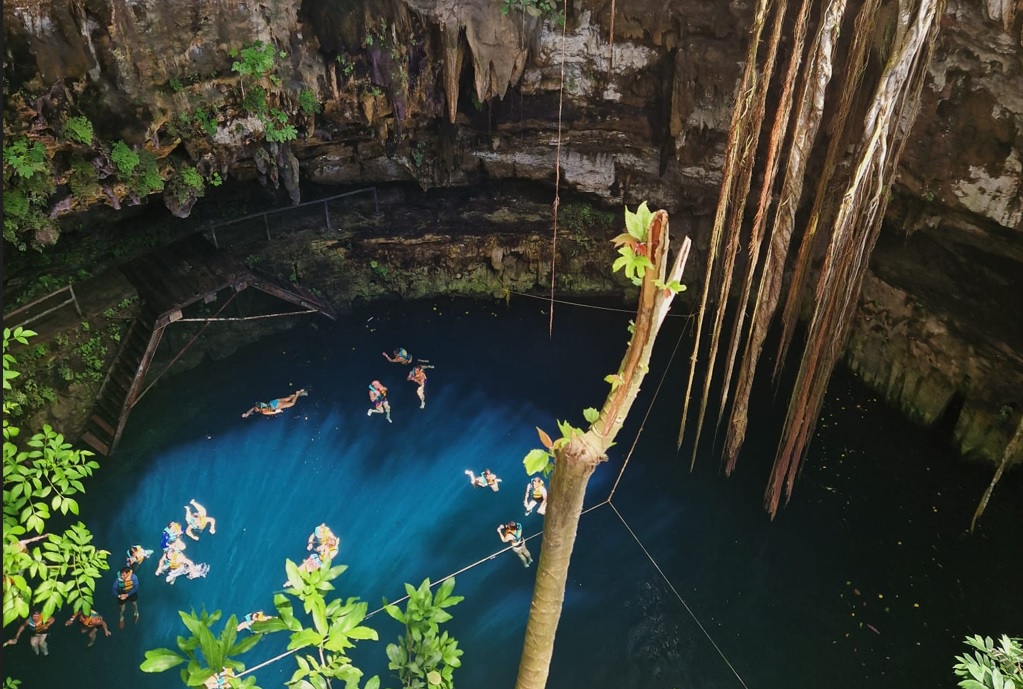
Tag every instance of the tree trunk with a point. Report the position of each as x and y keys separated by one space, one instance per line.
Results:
x=576 y=461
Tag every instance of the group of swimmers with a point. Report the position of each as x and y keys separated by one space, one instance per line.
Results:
x=535 y=498
x=173 y=561
x=377 y=390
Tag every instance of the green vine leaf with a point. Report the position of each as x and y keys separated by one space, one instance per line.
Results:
x=591 y=414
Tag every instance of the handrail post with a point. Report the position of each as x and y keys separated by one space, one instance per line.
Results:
x=326 y=214
x=74 y=299
x=266 y=223
x=376 y=204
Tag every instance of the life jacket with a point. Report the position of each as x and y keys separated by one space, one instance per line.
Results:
x=491 y=479
x=517 y=534
x=401 y=353
x=32 y=620
x=125 y=586
x=537 y=491
x=92 y=619
x=174 y=561
x=377 y=391
x=417 y=375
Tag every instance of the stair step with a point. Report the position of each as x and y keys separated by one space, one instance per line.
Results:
x=103 y=424
x=97 y=444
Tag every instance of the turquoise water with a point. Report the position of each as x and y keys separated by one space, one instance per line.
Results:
x=874 y=530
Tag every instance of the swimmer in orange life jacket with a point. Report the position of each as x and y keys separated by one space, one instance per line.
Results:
x=275 y=406
x=512 y=533
x=487 y=479
x=378 y=396
x=323 y=540
x=91 y=624
x=418 y=376
x=536 y=494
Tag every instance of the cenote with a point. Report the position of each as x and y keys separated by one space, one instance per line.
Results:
x=865 y=579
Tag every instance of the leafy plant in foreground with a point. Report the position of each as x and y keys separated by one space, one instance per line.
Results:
x=992 y=665
x=43 y=569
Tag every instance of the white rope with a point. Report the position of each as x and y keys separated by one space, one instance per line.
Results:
x=590 y=306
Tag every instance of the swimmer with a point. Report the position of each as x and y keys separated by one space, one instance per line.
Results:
x=275 y=406
x=536 y=494
x=221 y=680
x=171 y=538
x=378 y=397
x=136 y=556
x=126 y=590
x=91 y=624
x=401 y=356
x=486 y=479
x=310 y=564
x=418 y=376
x=512 y=533
x=175 y=564
x=39 y=630
x=251 y=618
x=324 y=541
x=198 y=520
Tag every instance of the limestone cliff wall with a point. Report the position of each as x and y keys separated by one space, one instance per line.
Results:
x=448 y=92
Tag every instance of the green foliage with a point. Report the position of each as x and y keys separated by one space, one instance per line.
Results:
x=547 y=9
x=84 y=179
x=43 y=570
x=28 y=184
x=147 y=179
x=423 y=656
x=256 y=59
x=176 y=85
x=256 y=101
x=632 y=247
x=190 y=177
x=206 y=120
x=24 y=160
x=542 y=461
x=327 y=627
x=124 y=159
x=307 y=102
x=581 y=218
x=277 y=127
x=79 y=129
x=993 y=665
x=345 y=66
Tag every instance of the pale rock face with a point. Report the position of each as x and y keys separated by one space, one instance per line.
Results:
x=999 y=198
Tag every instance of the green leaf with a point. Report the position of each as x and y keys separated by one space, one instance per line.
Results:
x=160 y=659
x=395 y=612
x=536 y=461
x=303 y=638
x=591 y=414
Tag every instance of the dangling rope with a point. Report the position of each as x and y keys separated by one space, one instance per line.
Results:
x=557 y=167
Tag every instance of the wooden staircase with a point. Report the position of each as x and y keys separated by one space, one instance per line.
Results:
x=168 y=280
x=123 y=383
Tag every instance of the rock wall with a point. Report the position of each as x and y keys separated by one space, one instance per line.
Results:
x=443 y=93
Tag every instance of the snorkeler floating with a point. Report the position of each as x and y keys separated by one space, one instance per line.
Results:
x=198 y=520
x=418 y=376
x=486 y=479
x=276 y=406
x=536 y=494
x=136 y=556
x=323 y=540
x=170 y=539
x=175 y=564
x=378 y=397
x=401 y=356
x=251 y=618
x=91 y=624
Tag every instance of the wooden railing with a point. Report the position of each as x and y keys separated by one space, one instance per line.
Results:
x=266 y=214
x=11 y=320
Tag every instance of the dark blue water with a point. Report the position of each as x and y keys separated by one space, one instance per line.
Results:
x=872 y=537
